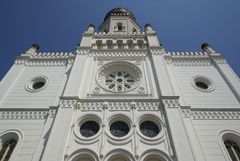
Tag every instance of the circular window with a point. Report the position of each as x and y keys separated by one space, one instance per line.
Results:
x=119 y=77
x=202 y=83
x=119 y=129
x=36 y=84
x=89 y=128
x=149 y=129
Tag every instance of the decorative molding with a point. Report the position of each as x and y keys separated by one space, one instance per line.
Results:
x=117 y=53
x=171 y=103
x=68 y=103
x=23 y=114
x=82 y=51
x=143 y=106
x=191 y=62
x=46 y=59
x=119 y=35
x=52 y=112
x=211 y=115
x=157 y=51
x=192 y=58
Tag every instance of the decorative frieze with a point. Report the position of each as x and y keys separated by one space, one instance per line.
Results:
x=157 y=51
x=68 y=103
x=118 y=105
x=192 y=58
x=82 y=51
x=171 y=103
x=126 y=53
x=23 y=114
x=211 y=115
x=46 y=59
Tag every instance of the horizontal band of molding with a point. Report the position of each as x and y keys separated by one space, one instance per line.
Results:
x=211 y=115
x=44 y=62
x=117 y=53
x=26 y=114
x=118 y=105
x=119 y=35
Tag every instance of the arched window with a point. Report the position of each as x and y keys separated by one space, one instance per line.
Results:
x=134 y=30
x=233 y=149
x=119 y=26
x=130 y=44
x=120 y=44
x=99 y=44
x=7 y=144
x=109 y=44
x=140 y=44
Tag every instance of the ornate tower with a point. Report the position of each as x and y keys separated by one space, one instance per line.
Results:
x=120 y=97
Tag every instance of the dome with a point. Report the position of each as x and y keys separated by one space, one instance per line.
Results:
x=120 y=11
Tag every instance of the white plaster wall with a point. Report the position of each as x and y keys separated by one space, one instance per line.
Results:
x=31 y=130
x=17 y=96
x=222 y=96
x=208 y=132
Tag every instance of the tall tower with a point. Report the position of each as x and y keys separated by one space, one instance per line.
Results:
x=120 y=97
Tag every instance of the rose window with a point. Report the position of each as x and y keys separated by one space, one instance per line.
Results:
x=119 y=77
x=119 y=81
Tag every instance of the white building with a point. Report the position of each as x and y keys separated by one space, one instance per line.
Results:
x=120 y=97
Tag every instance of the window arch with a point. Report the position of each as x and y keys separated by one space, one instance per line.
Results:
x=120 y=44
x=130 y=44
x=99 y=44
x=8 y=142
x=109 y=44
x=119 y=26
x=231 y=142
x=140 y=44
x=233 y=149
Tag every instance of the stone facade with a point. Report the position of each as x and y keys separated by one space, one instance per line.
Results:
x=120 y=96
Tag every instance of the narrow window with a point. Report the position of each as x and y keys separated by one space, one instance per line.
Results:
x=120 y=27
x=233 y=150
x=99 y=44
x=7 y=148
x=130 y=44
x=109 y=44
x=120 y=44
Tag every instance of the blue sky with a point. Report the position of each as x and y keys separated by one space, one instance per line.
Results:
x=57 y=25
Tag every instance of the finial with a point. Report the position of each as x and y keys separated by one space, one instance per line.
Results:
x=207 y=48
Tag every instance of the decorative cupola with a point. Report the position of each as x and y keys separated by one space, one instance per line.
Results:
x=119 y=20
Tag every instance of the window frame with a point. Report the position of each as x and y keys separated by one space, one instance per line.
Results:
x=225 y=135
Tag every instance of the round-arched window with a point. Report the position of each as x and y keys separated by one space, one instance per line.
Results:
x=119 y=77
x=149 y=128
x=89 y=128
x=119 y=128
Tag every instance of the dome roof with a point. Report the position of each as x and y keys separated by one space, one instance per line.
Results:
x=120 y=11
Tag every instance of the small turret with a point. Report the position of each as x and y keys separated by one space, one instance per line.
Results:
x=32 y=51
x=207 y=48
x=148 y=27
